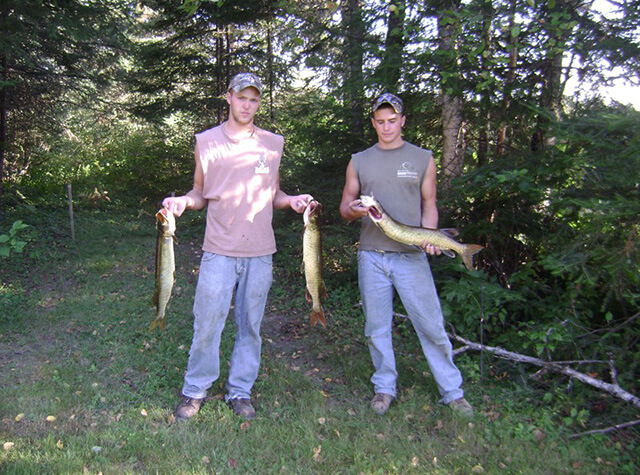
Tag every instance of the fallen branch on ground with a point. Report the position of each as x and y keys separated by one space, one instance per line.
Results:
x=614 y=389
x=606 y=429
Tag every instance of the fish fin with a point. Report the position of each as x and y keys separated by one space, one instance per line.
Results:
x=451 y=232
x=448 y=253
x=318 y=317
x=468 y=253
x=158 y=322
x=307 y=295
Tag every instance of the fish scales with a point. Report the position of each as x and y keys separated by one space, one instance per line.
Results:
x=165 y=266
x=312 y=262
x=416 y=236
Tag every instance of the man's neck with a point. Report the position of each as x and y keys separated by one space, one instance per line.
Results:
x=391 y=146
x=237 y=131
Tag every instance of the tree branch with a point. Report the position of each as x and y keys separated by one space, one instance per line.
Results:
x=613 y=389
x=605 y=430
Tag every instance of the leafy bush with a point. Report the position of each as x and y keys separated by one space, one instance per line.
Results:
x=14 y=240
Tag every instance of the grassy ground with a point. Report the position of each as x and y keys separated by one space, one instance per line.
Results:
x=87 y=389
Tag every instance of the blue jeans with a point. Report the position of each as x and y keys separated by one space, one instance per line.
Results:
x=219 y=275
x=410 y=274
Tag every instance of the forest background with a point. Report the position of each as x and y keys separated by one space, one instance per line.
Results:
x=106 y=96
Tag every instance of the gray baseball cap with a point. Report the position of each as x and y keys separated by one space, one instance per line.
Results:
x=388 y=98
x=244 y=80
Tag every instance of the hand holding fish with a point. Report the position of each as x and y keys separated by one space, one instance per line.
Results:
x=176 y=204
x=431 y=249
x=299 y=203
x=359 y=209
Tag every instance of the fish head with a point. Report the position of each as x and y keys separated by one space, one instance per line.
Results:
x=375 y=210
x=311 y=212
x=166 y=222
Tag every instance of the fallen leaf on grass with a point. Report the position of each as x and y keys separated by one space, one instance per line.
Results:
x=51 y=418
x=539 y=435
x=144 y=412
x=316 y=453
x=414 y=462
x=325 y=394
x=8 y=445
x=321 y=420
x=60 y=444
x=206 y=460
x=19 y=417
x=245 y=425
x=477 y=469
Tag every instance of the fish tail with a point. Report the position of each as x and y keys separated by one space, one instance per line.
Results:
x=317 y=316
x=469 y=251
x=158 y=322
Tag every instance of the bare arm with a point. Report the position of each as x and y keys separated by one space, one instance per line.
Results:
x=429 y=217
x=350 y=207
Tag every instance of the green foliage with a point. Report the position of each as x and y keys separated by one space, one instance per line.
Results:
x=14 y=240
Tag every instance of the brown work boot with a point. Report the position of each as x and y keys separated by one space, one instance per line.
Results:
x=461 y=407
x=381 y=402
x=188 y=408
x=242 y=408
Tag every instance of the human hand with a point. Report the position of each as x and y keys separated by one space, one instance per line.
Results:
x=176 y=204
x=299 y=203
x=358 y=209
x=431 y=249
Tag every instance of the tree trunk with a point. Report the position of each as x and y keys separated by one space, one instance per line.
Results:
x=353 y=80
x=551 y=79
x=3 y=119
x=391 y=65
x=452 y=103
x=501 y=141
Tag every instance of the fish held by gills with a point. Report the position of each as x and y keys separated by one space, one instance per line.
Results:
x=416 y=236
x=312 y=262
x=165 y=265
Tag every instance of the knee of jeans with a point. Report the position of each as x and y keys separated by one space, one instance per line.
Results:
x=446 y=349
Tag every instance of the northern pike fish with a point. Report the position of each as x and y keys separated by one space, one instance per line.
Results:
x=312 y=262
x=165 y=265
x=416 y=236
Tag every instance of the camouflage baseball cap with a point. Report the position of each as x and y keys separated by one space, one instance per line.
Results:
x=244 y=80
x=388 y=98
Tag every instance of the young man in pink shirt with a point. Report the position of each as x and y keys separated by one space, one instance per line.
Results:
x=237 y=179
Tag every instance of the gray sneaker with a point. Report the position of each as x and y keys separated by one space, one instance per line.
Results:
x=381 y=402
x=188 y=408
x=242 y=408
x=461 y=407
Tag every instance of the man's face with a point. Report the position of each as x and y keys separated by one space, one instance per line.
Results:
x=388 y=124
x=243 y=105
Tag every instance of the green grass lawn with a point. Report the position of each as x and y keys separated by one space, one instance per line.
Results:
x=87 y=389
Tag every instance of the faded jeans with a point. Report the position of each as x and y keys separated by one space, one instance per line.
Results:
x=219 y=275
x=410 y=274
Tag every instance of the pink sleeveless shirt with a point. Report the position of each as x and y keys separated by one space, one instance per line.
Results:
x=240 y=183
